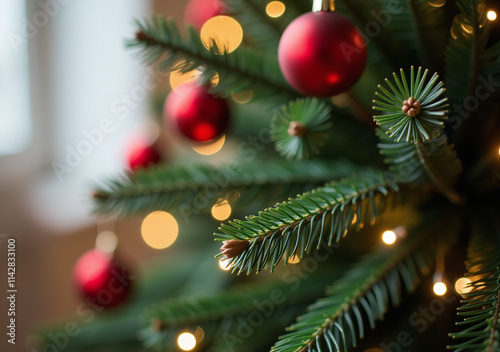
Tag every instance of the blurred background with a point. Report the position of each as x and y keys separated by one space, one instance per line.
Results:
x=73 y=100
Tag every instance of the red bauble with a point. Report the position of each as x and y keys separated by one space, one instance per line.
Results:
x=322 y=54
x=142 y=155
x=100 y=279
x=197 y=114
x=200 y=11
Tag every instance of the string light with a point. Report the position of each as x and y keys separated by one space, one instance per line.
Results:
x=275 y=9
x=439 y=288
x=492 y=15
x=210 y=147
x=462 y=285
x=224 y=264
x=186 y=341
x=294 y=259
x=224 y=30
x=159 y=229
x=221 y=211
x=389 y=237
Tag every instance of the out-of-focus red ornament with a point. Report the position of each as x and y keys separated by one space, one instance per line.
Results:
x=322 y=54
x=196 y=113
x=198 y=12
x=142 y=154
x=102 y=280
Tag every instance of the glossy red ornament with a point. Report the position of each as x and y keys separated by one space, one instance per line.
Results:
x=200 y=11
x=322 y=54
x=102 y=280
x=142 y=155
x=197 y=114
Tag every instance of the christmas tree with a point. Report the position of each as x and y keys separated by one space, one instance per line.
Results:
x=370 y=155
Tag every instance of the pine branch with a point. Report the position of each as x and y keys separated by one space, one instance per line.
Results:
x=219 y=315
x=297 y=226
x=434 y=160
x=481 y=306
x=413 y=112
x=363 y=294
x=180 y=188
x=241 y=70
x=301 y=128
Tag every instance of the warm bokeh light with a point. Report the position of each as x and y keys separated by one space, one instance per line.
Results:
x=498 y=151
x=467 y=28
x=461 y=285
x=242 y=97
x=275 y=9
x=294 y=259
x=106 y=241
x=210 y=147
x=436 y=3
x=389 y=237
x=224 y=264
x=341 y=100
x=177 y=78
x=492 y=15
x=186 y=341
x=221 y=211
x=159 y=229
x=439 y=288
x=226 y=32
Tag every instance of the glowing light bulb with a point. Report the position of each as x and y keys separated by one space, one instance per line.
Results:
x=498 y=151
x=159 y=229
x=491 y=15
x=210 y=147
x=461 y=285
x=224 y=30
x=439 y=288
x=224 y=264
x=294 y=259
x=186 y=341
x=389 y=237
x=221 y=211
x=275 y=9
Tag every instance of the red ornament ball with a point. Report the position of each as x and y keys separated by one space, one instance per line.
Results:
x=196 y=113
x=100 y=279
x=322 y=54
x=142 y=155
x=200 y=11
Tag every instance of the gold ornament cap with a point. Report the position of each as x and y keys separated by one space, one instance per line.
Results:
x=323 y=5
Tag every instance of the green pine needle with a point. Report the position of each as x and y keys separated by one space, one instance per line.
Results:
x=428 y=120
x=176 y=188
x=313 y=115
x=362 y=296
x=244 y=69
x=481 y=306
x=322 y=216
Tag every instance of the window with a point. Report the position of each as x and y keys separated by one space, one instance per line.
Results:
x=15 y=107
